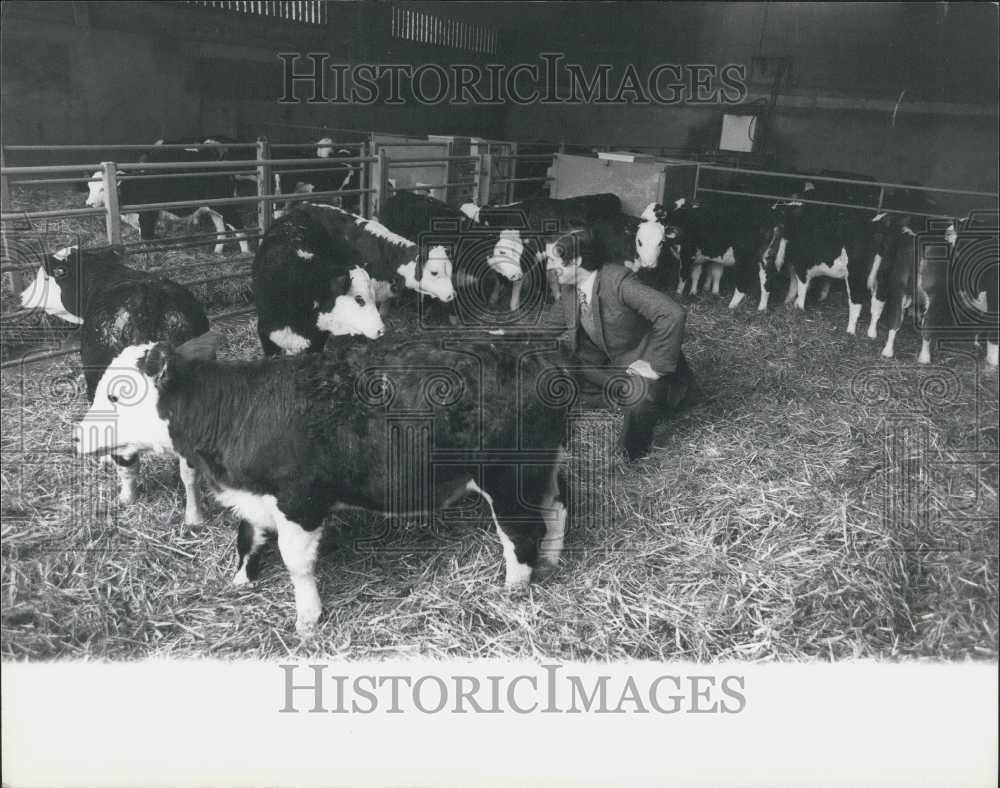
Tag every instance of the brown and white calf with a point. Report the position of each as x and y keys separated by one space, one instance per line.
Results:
x=285 y=442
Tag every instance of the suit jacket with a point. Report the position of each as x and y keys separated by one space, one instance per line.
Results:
x=633 y=320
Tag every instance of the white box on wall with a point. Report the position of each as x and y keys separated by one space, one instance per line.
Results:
x=738 y=132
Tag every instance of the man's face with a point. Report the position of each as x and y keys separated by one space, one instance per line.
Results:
x=560 y=259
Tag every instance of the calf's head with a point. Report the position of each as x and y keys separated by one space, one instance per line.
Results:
x=57 y=287
x=354 y=310
x=431 y=277
x=650 y=238
x=126 y=409
x=507 y=255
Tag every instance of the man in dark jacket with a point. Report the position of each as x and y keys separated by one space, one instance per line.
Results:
x=618 y=325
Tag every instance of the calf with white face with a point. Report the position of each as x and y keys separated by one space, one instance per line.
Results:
x=285 y=442
x=117 y=306
x=355 y=312
x=431 y=277
x=309 y=284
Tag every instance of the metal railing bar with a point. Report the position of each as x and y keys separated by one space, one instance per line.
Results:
x=523 y=180
x=47 y=181
x=50 y=168
x=251 y=169
x=133 y=146
x=785 y=198
x=299 y=196
x=65 y=212
x=333 y=144
x=830 y=179
x=218 y=165
x=525 y=156
x=31 y=359
x=166 y=206
x=448 y=185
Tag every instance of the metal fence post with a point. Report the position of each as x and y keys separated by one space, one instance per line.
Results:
x=484 y=185
x=112 y=214
x=364 y=169
x=380 y=181
x=265 y=208
x=4 y=187
x=697 y=180
x=881 y=197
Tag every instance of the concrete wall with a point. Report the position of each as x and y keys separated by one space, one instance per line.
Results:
x=100 y=72
x=133 y=72
x=850 y=64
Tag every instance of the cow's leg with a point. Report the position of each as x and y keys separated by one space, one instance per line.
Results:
x=824 y=290
x=298 y=548
x=518 y=553
x=554 y=514
x=192 y=507
x=925 y=351
x=220 y=230
x=695 y=278
x=801 y=287
x=515 y=294
x=127 y=466
x=793 y=288
x=889 y=349
x=241 y=237
x=765 y=293
x=716 y=273
x=249 y=540
x=853 y=308
x=992 y=353
x=876 y=306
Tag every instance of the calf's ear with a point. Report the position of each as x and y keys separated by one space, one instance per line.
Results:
x=157 y=363
x=201 y=348
x=340 y=285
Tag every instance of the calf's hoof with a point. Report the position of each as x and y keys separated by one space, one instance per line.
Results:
x=543 y=571
x=305 y=624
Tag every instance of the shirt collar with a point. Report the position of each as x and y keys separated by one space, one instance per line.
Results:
x=586 y=285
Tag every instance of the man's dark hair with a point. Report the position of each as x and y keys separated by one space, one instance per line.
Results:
x=580 y=242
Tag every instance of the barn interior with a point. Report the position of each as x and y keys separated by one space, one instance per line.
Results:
x=914 y=83
x=832 y=497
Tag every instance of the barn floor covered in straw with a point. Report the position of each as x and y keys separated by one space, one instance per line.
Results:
x=784 y=518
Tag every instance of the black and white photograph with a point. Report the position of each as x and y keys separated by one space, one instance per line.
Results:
x=537 y=393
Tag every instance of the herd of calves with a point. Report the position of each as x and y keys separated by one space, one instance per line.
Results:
x=423 y=422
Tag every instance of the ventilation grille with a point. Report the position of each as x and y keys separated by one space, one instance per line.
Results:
x=429 y=29
x=310 y=12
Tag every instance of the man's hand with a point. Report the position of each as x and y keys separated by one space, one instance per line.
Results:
x=642 y=369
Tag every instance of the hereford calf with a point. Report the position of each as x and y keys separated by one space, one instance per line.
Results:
x=309 y=283
x=119 y=307
x=394 y=263
x=285 y=442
